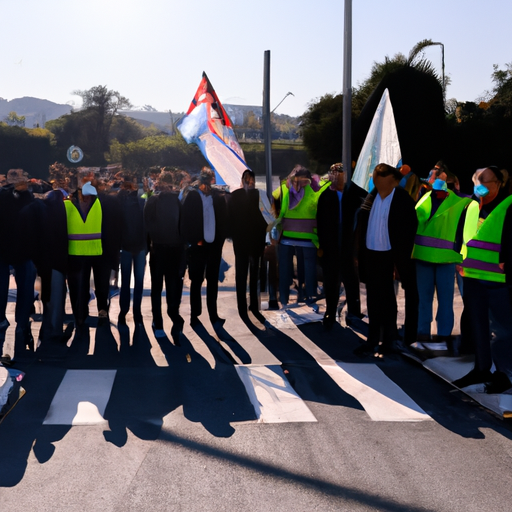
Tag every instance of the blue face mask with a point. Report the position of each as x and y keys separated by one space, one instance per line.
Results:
x=439 y=185
x=480 y=190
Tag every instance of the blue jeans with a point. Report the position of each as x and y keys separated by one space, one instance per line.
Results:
x=137 y=261
x=488 y=307
x=439 y=277
x=308 y=256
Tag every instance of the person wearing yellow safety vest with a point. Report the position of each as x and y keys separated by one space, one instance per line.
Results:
x=84 y=220
x=299 y=200
x=486 y=270
x=445 y=221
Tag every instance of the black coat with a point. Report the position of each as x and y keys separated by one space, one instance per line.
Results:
x=402 y=227
x=247 y=227
x=162 y=216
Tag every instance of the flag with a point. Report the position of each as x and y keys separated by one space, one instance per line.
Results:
x=207 y=124
x=381 y=145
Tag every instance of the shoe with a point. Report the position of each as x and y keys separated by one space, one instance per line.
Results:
x=273 y=305
x=353 y=320
x=499 y=384
x=121 y=319
x=473 y=377
x=194 y=321
x=137 y=318
x=328 y=322
x=365 y=349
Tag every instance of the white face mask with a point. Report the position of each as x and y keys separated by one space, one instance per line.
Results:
x=89 y=190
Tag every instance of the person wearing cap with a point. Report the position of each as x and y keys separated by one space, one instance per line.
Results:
x=337 y=206
x=248 y=230
x=15 y=198
x=445 y=222
x=203 y=226
x=486 y=271
x=386 y=228
x=162 y=214
x=299 y=196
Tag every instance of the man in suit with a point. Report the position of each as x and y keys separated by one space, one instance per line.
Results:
x=248 y=229
x=335 y=227
x=203 y=226
x=387 y=225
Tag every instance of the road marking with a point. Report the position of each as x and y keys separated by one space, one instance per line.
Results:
x=273 y=398
x=81 y=398
x=382 y=399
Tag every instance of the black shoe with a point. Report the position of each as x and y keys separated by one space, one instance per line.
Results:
x=273 y=305
x=499 y=384
x=365 y=349
x=121 y=319
x=194 y=321
x=473 y=377
x=328 y=322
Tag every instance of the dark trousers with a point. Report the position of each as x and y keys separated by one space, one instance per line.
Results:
x=380 y=297
x=166 y=263
x=137 y=262
x=247 y=262
x=488 y=313
x=79 y=279
x=335 y=271
x=204 y=261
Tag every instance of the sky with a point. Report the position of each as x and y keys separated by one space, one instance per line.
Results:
x=154 y=51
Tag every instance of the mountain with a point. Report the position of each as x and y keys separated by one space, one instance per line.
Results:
x=35 y=110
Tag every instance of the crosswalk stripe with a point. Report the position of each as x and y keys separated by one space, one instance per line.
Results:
x=81 y=398
x=382 y=399
x=273 y=398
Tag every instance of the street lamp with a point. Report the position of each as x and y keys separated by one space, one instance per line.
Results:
x=286 y=96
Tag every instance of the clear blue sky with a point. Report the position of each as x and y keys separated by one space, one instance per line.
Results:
x=154 y=51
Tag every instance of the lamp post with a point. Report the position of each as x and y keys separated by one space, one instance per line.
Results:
x=286 y=96
x=346 y=149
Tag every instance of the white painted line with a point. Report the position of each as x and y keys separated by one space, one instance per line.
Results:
x=81 y=398
x=292 y=316
x=273 y=398
x=382 y=399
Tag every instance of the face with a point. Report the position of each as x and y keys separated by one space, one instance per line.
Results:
x=490 y=181
x=249 y=183
x=205 y=188
x=383 y=181
x=337 y=179
x=300 y=182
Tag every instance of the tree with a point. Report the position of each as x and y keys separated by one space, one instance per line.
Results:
x=13 y=119
x=322 y=128
x=100 y=106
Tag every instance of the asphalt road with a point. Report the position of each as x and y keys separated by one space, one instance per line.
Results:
x=173 y=428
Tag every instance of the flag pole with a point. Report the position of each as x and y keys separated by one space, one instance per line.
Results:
x=347 y=92
x=266 y=122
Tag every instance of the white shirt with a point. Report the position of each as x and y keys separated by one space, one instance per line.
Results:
x=377 y=235
x=208 y=218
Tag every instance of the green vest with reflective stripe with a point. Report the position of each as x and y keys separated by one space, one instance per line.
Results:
x=435 y=238
x=84 y=238
x=483 y=250
x=300 y=222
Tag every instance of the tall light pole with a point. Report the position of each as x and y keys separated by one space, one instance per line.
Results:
x=347 y=92
x=286 y=96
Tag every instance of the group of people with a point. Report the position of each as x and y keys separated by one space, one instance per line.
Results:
x=424 y=233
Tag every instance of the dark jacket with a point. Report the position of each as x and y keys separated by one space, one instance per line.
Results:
x=15 y=243
x=191 y=224
x=402 y=227
x=328 y=219
x=133 y=229
x=247 y=227
x=162 y=215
